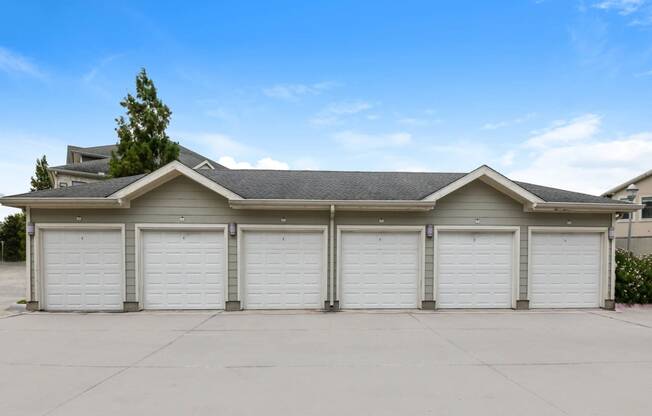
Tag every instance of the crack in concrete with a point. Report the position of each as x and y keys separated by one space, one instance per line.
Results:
x=621 y=320
x=490 y=366
x=132 y=365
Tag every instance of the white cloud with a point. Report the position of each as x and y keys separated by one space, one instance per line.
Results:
x=18 y=158
x=334 y=112
x=623 y=7
x=220 y=144
x=577 y=129
x=507 y=123
x=90 y=76
x=293 y=92
x=360 y=141
x=13 y=63
x=591 y=167
x=507 y=159
x=264 y=163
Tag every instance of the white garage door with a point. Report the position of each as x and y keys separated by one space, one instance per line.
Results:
x=379 y=269
x=283 y=269
x=565 y=270
x=82 y=269
x=183 y=269
x=475 y=269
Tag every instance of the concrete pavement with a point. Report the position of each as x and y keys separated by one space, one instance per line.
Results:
x=12 y=287
x=246 y=363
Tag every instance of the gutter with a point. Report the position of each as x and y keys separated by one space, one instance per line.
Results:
x=325 y=205
x=585 y=207
x=57 y=202
x=78 y=173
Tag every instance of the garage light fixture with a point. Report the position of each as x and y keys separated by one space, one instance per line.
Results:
x=283 y=219
x=232 y=229
x=78 y=218
x=477 y=220
x=182 y=218
x=381 y=220
x=611 y=233
x=30 y=228
x=429 y=230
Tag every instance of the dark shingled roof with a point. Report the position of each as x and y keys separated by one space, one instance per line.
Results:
x=186 y=156
x=90 y=166
x=331 y=185
x=560 y=195
x=99 y=189
x=321 y=185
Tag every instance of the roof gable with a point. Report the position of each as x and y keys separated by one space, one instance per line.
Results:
x=491 y=178
x=166 y=173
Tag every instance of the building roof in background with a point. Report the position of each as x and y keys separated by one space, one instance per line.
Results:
x=102 y=154
x=624 y=185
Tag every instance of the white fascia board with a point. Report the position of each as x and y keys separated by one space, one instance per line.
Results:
x=78 y=173
x=166 y=173
x=325 y=205
x=587 y=207
x=492 y=178
x=56 y=202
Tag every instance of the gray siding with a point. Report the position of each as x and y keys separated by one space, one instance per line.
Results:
x=183 y=197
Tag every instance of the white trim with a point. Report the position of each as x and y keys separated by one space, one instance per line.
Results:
x=492 y=178
x=165 y=174
x=604 y=260
x=331 y=257
x=421 y=269
x=39 y=290
x=341 y=205
x=516 y=252
x=139 y=228
x=612 y=294
x=62 y=202
x=204 y=163
x=28 y=256
x=242 y=228
x=584 y=207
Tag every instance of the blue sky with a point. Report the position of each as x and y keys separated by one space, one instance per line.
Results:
x=552 y=92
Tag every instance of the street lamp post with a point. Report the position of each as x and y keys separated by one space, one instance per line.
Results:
x=632 y=190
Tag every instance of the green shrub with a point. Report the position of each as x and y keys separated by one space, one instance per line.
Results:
x=633 y=278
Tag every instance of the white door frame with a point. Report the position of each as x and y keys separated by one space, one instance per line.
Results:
x=240 y=257
x=40 y=284
x=516 y=252
x=604 y=253
x=421 y=266
x=139 y=228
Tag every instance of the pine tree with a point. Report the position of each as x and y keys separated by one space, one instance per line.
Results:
x=41 y=178
x=143 y=144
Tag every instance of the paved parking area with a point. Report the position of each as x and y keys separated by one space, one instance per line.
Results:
x=407 y=363
x=12 y=287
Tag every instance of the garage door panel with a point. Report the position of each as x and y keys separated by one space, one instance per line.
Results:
x=82 y=269
x=475 y=269
x=565 y=270
x=283 y=269
x=379 y=269
x=183 y=269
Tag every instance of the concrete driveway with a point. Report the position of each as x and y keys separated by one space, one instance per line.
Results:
x=12 y=287
x=244 y=363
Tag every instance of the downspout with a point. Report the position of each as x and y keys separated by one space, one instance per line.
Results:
x=28 y=255
x=331 y=258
